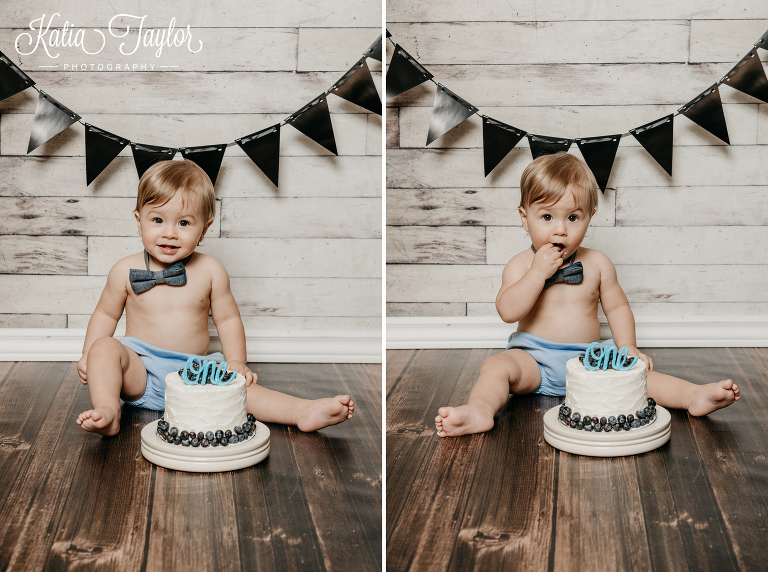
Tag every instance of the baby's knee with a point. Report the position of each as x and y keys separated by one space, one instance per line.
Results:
x=501 y=364
x=106 y=347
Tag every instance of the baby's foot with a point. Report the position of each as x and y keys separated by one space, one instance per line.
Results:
x=713 y=396
x=104 y=421
x=455 y=421
x=319 y=413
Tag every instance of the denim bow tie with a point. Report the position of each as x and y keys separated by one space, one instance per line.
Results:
x=571 y=274
x=143 y=280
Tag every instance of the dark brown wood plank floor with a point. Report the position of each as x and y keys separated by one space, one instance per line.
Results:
x=506 y=500
x=71 y=499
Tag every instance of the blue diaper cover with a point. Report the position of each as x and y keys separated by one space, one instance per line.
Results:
x=159 y=363
x=551 y=357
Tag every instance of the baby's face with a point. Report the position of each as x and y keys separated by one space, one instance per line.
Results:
x=563 y=224
x=170 y=232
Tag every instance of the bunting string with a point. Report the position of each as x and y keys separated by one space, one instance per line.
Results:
x=263 y=147
x=656 y=137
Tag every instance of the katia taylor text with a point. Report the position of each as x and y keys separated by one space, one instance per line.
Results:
x=49 y=37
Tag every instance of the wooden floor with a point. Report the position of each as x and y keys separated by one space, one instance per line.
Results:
x=506 y=500
x=72 y=499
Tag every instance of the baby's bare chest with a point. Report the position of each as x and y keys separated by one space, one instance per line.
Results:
x=192 y=298
x=585 y=294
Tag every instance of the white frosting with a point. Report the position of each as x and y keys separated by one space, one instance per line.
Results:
x=603 y=393
x=204 y=407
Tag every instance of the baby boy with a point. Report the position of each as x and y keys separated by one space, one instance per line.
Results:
x=167 y=317
x=552 y=291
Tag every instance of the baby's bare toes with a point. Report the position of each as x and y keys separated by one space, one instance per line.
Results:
x=444 y=411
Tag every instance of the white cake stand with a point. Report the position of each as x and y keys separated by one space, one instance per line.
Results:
x=205 y=459
x=613 y=444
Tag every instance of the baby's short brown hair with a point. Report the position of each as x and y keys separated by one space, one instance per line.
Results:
x=160 y=182
x=547 y=178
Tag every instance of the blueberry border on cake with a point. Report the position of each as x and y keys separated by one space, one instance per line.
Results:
x=620 y=422
x=173 y=436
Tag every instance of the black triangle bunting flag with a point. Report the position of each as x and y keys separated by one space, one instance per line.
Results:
x=761 y=43
x=448 y=111
x=748 y=76
x=498 y=140
x=101 y=147
x=390 y=35
x=314 y=121
x=51 y=118
x=147 y=155
x=543 y=145
x=207 y=157
x=404 y=73
x=706 y=110
x=12 y=79
x=657 y=138
x=374 y=51
x=599 y=154
x=263 y=147
x=357 y=86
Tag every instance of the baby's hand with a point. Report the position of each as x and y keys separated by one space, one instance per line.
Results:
x=633 y=351
x=243 y=369
x=81 y=369
x=547 y=260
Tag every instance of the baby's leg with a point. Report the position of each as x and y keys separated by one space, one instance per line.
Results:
x=113 y=370
x=677 y=393
x=272 y=406
x=512 y=371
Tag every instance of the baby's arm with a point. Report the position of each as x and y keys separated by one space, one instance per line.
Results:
x=521 y=286
x=108 y=311
x=616 y=308
x=229 y=325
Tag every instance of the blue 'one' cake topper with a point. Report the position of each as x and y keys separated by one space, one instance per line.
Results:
x=205 y=369
x=603 y=358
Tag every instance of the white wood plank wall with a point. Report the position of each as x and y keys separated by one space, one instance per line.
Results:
x=304 y=257
x=684 y=246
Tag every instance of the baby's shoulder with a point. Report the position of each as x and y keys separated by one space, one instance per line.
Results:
x=518 y=265
x=131 y=261
x=206 y=262
x=208 y=266
x=595 y=258
x=522 y=259
x=120 y=271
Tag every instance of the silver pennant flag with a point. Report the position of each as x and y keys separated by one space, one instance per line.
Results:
x=449 y=110
x=51 y=118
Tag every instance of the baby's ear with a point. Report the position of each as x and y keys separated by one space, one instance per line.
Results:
x=523 y=218
x=205 y=229
x=138 y=220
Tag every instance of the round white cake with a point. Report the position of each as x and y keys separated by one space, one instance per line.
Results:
x=204 y=407
x=603 y=393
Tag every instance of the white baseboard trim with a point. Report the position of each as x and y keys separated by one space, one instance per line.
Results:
x=33 y=344
x=652 y=331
